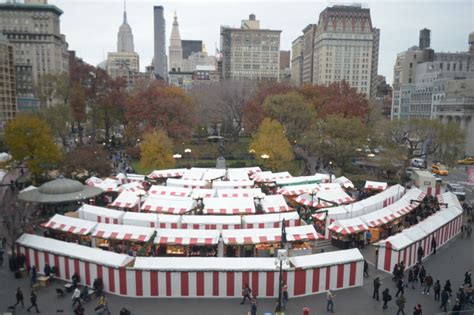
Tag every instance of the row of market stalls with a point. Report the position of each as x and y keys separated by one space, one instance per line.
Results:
x=441 y=226
x=193 y=277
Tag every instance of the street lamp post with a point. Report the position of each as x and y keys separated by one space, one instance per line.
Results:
x=187 y=152
x=177 y=156
x=259 y=196
x=140 y=196
x=264 y=157
x=330 y=171
x=282 y=256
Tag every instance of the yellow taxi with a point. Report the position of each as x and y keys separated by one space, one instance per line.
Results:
x=439 y=169
x=467 y=161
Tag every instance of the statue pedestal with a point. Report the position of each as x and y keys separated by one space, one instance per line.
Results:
x=220 y=162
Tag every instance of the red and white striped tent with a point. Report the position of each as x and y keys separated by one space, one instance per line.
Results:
x=170 y=191
x=274 y=204
x=175 y=205
x=194 y=173
x=169 y=221
x=140 y=219
x=238 y=193
x=210 y=222
x=187 y=183
x=375 y=185
x=404 y=205
x=332 y=193
x=132 y=186
x=123 y=232
x=187 y=237
x=204 y=192
x=296 y=190
x=442 y=226
x=252 y=170
x=344 y=182
x=100 y=214
x=348 y=226
x=177 y=172
x=108 y=185
x=380 y=217
x=260 y=236
x=70 y=225
x=450 y=199
x=265 y=177
x=129 y=199
x=237 y=174
x=228 y=206
x=92 y=181
x=270 y=220
x=243 y=184
x=135 y=178
x=213 y=174
x=299 y=180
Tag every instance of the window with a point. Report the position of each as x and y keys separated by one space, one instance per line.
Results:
x=411 y=65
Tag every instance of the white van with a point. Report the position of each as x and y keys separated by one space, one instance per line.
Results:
x=417 y=162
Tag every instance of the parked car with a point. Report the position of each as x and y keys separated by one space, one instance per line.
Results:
x=466 y=161
x=439 y=169
x=417 y=162
x=458 y=190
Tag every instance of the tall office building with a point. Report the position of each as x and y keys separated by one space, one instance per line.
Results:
x=297 y=47
x=175 y=49
x=342 y=46
x=249 y=52
x=191 y=46
x=159 y=60
x=33 y=28
x=125 y=36
x=7 y=83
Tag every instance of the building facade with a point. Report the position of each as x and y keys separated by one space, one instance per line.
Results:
x=125 y=36
x=285 y=71
x=33 y=29
x=297 y=47
x=249 y=52
x=7 y=83
x=159 y=59
x=191 y=46
x=308 y=53
x=175 y=52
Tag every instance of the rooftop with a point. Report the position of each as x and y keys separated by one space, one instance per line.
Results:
x=30 y=7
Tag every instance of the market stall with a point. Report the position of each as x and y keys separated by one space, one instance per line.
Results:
x=296 y=190
x=273 y=204
x=370 y=185
x=100 y=214
x=228 y=206
x=348 y=233
x=298 y=180
x=186 y=242
x=69 y=229
x=382 y=223
x=187 y=183
x=162 y=174
x=270 y=220
x=204 y=192
x=210 y=222
x=140 y=219
x=121 y=238
x=243 y=184
x=194 y=173
x=344 y=182
x=130 y=200
x=265 y=177
x=238 y=193
x=324 y=196
x=132 y=186
x=214 y=174
x=159 y=190
x=237 y=174
x=169 y=205
x=169 y=221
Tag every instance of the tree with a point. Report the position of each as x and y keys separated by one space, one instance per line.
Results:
x=293 y=111
x=159 y=107
x=270 y=140
x=30 y=140
x=87 y=161
x=335 y=138
x=59 y=119
x=156 y=151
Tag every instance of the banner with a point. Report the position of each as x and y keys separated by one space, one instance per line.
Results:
x=470 y=175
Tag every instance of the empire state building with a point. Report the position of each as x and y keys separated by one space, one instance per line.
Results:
x=125 y=36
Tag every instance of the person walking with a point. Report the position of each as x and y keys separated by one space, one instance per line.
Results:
x=422 y=275
x=447 y=287
x=246 y=291
x=428 y=284
x=285 y=296
x=411 y=279
x=19 y=298
x=401 y=301
x=76 y=297
x=456 y=308
x=468 y=279
x=366 y=268
x=433 y=245
x=444 y=300
x=469 y=231
x=416 y=271
x=400 y=287
x=253 y=307
x=377 y=284
x=330 y=301
x=420 y=253
x=104 y=304
x=386 y=297
x=33 y=300
x=417 y=310
x=34 y=275
x=437 y=290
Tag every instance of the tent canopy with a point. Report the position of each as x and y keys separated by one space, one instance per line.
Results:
x=205 y=192
x=123 y=232
x=170 y=191
x=70 y=225
x=99 y=214
x=375 y=185
x=187 y=183
x=270 y=217
x=258 y=236
x=237 y=174
x=348 y=226
x=296 y=190
x=327 y=259
x=175 y=205
x=274 y=204
x=211 y=219
x=187 y=237
x=228 y=206
x=380 y=217
x=238 y=193
x=243 y=184
x=344 y=182
x=177 y=172
x=128 y=199
x=140 y=219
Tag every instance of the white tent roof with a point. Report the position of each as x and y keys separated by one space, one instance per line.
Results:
x=270 y=218
x=168 y=218
x=327 y=259
x=299 y=180
x=398 y=241
x=140 y=218
x=92 y=181
x=228 y=206
x=274 y=203
x=213 y=173
x=176 y=172
x=73 y=250
x=245 y=184
x=187 y=237
x=206 y=192
x=187 y=183
x=375 y=185
x=211 y=219
x=296 y=190
x=194 y=173
x=237 y=174
x=238 y=193
x=257 y=236
x=330 y=192
x=123 y=232
x=344 y=182
x=348 y=226
x=70 y=225
x=176 y=205
x=135 y=177
x=380 y=217
x=128 y=199
x=270 y=176
x=132 y=186
x=171 y=191
x=414 y=233
x=91 y=213
x=440 y=218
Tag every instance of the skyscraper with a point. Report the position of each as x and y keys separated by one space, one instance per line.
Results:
x=7 y=83
x=160 y=63
x=125 y=36
x=175 y=48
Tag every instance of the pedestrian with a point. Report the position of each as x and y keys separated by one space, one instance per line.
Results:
x=461 y=296
x=433 y=245
x=437 y=289
x=411 y=279
x=104 y=304
x=402 y=269
x=377 y=284
x=420 y=253
x=368 y=237
x=401 y=301
x=34 y=275
x=79 y=310
x=463 y=229
x=417 y=310
x=447 y=287
x=395 y=272
x=467 y=279
x=456 y=308
x=400 y=287
x=469 y=231
x=330 y=301
x=246 y=291
x=386 y=297
x=422 y=275
x=366 y=268
x=76 y=297
x=75 y=279
x=285 y=296
x=1 y=256
x=33 y=300
x=47 y=270
x=19 y=298
x=444 y=300
x=253 y=307
x=428 y=284
x=416 y=271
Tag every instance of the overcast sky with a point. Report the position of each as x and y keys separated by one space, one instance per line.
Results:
x=91 y=26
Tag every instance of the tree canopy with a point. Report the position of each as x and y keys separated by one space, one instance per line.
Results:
x=86 y=161
x=156 y=151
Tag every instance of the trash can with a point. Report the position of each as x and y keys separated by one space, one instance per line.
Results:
x=305 y=310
